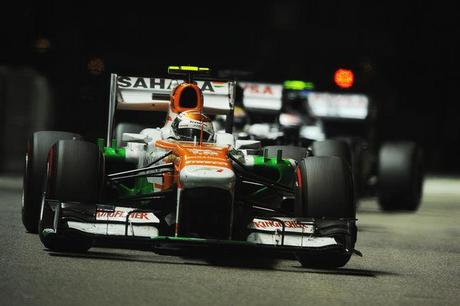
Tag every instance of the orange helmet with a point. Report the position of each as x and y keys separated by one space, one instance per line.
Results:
x=185 y=97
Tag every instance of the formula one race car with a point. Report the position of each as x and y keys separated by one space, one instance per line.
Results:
x=338 y=125
x=183 y=186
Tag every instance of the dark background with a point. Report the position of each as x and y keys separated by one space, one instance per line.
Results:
x=404 y=55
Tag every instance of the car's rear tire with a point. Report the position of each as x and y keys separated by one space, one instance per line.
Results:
x=38 y=146
x=327 y=192
x=332 y=147
x=75 y=174
x=400 y=176
x=346 y=149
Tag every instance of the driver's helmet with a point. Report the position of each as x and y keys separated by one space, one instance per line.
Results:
x=240 y=118
x=190 y=124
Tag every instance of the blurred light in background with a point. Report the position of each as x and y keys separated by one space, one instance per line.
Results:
x=42 y=45
x=344 y=78
x=96 y=66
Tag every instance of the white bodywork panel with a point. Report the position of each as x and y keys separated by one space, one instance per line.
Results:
x=262 y=96
x=245 y=144
x=296 y=234
x=137 y=93
x=134 y=137
x=134 y=230
x=291 y=240
x=140 y=224
x=207 y=176
x=342 y=106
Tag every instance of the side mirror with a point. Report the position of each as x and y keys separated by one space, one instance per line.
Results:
x=133 y=137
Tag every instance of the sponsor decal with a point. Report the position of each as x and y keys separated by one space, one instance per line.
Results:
x=260 y=89
x=151 y=83
x=264 y=224
x=206 y=162
x=204 y=152
x=120 y=214
x=164 y=84
x=291 y=225
x=217 y=84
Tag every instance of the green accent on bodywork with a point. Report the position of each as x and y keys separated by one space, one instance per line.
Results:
x=114 y=143
x=113 y=153
x=283 y=168
x=100 y=144
x=141 y=187
x=298 y=85
x=273 y=162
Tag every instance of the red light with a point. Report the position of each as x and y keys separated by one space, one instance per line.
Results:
x=344 y=78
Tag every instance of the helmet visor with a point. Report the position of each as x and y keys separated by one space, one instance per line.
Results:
x=191 y=134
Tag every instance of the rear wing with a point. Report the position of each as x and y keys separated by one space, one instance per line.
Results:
x=338 y=106
x=262 y=97
x=153 y=94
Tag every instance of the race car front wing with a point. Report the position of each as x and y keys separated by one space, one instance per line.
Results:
x=272 y=235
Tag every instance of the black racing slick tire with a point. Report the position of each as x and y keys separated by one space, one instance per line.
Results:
x=400 y=176
x=38 y=146
x=343 y=149
x=327 y=188
x=332 y=147
x=75 y=174
x=326 y=185
x=292 y=152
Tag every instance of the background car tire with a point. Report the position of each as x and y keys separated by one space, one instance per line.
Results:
x=400 y=176
x=34 y=174
x=327 y=192
x=75 y=175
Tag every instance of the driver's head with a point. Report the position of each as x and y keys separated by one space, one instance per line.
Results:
x=188 y=125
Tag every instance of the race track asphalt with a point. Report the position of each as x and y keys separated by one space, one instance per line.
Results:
x=409 y=259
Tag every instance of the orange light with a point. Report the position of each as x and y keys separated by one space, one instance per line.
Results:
x=344 y=78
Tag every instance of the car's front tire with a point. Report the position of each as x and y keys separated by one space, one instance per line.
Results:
x=327 y=192
x=38 y=146
x=75 y=174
